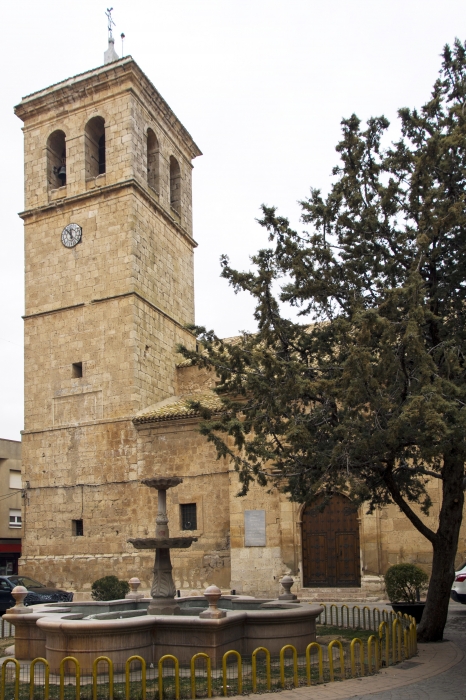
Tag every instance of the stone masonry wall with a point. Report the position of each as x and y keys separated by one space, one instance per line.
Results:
x=109 y=460
x=256 y=570
x=175 y=448
x=115 y=306
x=127 y=246
x=128 y=361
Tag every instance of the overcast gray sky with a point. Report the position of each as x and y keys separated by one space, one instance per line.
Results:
x=260 y=84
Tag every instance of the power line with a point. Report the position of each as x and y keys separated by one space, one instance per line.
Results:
x=9 y=495
x=11 y=342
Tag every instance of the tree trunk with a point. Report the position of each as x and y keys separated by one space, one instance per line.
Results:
x=445 y=546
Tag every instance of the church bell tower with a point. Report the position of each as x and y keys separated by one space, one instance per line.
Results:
x=109 y=289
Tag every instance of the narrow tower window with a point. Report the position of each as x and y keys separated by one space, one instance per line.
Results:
x=77 y=528
x=95 y=147
x=56 y=160
x=175 y=185
x=152 y=160
x=76 y=370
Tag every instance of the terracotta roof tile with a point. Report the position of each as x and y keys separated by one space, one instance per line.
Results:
x=178 y=408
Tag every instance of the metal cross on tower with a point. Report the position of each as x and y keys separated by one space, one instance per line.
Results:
x=111 y=23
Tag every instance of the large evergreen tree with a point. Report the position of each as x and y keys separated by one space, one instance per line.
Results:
x=368 y=393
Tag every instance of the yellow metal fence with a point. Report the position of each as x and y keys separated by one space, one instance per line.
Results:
x=393 y=640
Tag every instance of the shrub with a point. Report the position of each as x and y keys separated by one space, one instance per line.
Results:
x=402 y=582
x=109 y=588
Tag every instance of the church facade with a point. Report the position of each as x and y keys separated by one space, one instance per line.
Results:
x=109 y=289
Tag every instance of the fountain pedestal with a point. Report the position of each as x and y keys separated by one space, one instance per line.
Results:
x=213 y=595
x=287 y=581
x=163 y=588
x=134 y=584
x=19 y=593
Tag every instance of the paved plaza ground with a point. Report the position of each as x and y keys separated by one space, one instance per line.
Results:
x=437 y=673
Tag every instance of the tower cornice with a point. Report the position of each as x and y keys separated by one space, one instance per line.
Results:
x=131 y=183
x=64 y=95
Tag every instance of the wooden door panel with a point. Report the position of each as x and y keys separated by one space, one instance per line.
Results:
x=331 y=544
x=347 y=561
x=316 y=558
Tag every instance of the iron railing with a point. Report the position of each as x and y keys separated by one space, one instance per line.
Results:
x=382 y=638
x=6 y=629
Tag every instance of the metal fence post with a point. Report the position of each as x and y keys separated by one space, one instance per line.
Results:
x=201 y=655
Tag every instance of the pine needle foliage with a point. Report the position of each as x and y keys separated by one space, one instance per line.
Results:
x=367 y=394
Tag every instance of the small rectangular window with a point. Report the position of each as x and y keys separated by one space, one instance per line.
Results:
x=188 y=516
x=15 y=479
x=15 y=518
x=77 y=370
x=77 y=528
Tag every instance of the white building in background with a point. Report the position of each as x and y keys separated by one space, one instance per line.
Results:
x=11 y=526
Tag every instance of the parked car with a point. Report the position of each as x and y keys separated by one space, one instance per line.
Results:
x=37 y=592
x=458 y=590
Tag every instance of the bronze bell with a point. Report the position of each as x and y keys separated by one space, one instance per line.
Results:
x=62 y=174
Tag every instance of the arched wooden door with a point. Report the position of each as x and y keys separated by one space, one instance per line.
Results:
x=331 y=545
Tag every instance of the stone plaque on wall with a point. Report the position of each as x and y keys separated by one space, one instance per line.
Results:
x=254 y=528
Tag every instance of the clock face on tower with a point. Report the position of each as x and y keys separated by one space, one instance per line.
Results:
x=71 y=235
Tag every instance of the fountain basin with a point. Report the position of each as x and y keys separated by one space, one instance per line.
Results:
x=56 y=632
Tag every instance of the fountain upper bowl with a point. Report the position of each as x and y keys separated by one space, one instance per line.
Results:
x=162 y=542
x=162 y=483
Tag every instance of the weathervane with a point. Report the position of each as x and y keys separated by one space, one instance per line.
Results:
x=110 y=22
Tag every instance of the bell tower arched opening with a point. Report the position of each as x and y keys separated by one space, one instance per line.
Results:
x=331 y=552
x=56 y=160
x=175 y=185
x=152 y=160
x=95 y=147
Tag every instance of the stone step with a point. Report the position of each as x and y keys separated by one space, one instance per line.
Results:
x=338 y=595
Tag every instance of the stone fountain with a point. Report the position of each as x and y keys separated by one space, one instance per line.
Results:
x=152 y=628
x=163 y=588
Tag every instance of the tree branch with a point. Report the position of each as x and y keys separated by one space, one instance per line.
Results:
x=420 y=470
x=389 y=479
